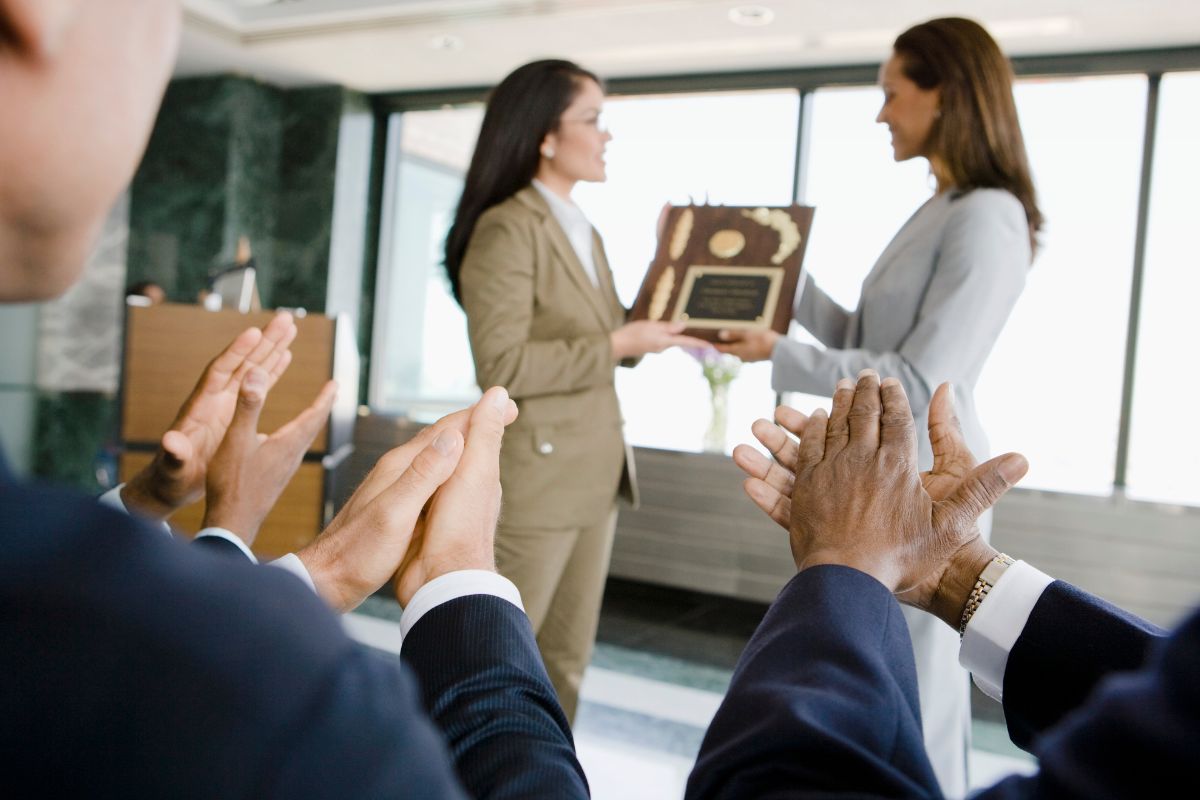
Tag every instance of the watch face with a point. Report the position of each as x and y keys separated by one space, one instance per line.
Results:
x=995 y=568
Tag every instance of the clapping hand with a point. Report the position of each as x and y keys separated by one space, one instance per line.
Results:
x=848 y=491
x=385 y=521
x=250 y=470
x=176 y=476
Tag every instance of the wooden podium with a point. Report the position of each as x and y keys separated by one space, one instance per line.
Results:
x=167 y=347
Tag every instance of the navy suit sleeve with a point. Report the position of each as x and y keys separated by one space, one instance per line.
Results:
x=136 y=666
x=1071 y=641
x=484 y=684
x=1137 y=730
x=361 y=734
x=823 y=700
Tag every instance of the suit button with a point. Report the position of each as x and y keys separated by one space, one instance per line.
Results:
x=545 y=448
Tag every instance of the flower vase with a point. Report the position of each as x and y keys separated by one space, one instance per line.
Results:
x=714 y=437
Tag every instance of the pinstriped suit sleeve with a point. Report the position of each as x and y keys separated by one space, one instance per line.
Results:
x=484 y=684
x=821 y=315
x=976 y=280
x=498 y=286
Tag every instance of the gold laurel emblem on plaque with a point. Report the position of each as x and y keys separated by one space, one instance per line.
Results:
x=662 y=294
x=783 y=224
x=682 y=233
x=726 y=243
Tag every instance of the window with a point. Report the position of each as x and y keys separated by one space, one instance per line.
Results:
x=1084 y=138
x=422 y=362
x=1071 y=318
x=861 y=194
x=735 y=149
x=661 y=152
x=1164 y=455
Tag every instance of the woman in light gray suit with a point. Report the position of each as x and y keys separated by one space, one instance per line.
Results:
x=939 y=295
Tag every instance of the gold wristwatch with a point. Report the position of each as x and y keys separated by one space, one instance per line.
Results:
x=987 y=579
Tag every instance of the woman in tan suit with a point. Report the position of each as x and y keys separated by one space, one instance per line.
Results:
x=545 y=322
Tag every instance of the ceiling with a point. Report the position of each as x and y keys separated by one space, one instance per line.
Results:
x=381 y=45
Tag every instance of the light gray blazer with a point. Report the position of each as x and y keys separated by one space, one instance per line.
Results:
x=930 y=310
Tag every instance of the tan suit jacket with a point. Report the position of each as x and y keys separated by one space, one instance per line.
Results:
x=539 y=327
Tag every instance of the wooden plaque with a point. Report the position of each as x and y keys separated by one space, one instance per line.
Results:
x=726 y=267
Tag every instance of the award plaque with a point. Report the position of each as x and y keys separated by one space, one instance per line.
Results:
x=726 y=267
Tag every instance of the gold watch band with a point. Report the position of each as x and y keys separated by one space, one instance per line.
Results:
x=987 y=579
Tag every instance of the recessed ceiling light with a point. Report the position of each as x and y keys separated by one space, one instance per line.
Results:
x=446 y=41
x=751 y=16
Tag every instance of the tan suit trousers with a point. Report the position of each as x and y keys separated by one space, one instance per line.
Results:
x=560 y=573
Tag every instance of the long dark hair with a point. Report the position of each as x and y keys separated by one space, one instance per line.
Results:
x=521 y=110
x=978 y=137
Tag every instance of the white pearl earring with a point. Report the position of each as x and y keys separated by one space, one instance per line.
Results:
x=548 y=152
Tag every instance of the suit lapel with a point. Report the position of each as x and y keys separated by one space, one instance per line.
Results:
x=562 y=247
x=608 y=287
x=903 y=239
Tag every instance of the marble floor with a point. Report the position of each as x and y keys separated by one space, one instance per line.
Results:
x=663 y=660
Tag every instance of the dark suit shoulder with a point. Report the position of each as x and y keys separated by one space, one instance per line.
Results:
x=1071 y=641
x=1138 y=728
x=136 y=665
x=138 y=583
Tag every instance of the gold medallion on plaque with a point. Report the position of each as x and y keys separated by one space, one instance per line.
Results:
x=726 y=243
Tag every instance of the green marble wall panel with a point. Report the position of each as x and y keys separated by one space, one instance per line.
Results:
x=75 y=435
x=252 y=181
x=178 y=199
x=307 y=177
x=228 y=157
x=232 y=157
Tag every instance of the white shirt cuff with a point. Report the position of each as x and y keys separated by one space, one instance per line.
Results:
x=995 y=626
x=292 y=563
x=112 y=499
x=452 y=586
x=229 y=536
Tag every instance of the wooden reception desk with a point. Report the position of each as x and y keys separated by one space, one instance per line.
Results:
x=167 y=347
